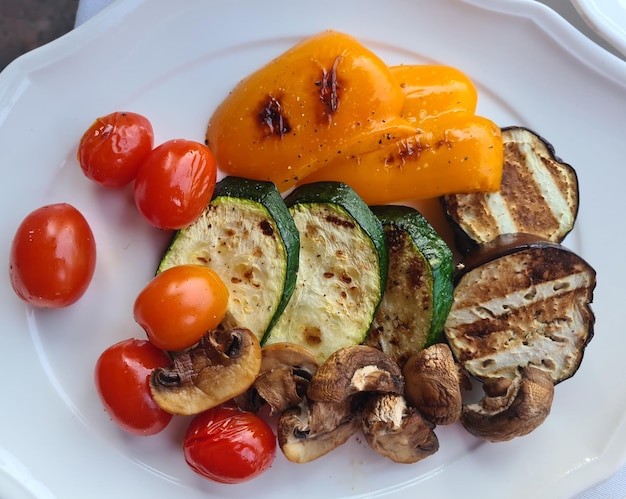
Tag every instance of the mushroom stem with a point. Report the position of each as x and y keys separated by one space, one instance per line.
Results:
x=312 y=429
x=397 y=431
x=510 y=408
x=331 y=411
x=355 y=369
x=286 y=370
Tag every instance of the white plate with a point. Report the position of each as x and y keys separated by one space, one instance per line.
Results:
x=174 y=62
x=607 y=18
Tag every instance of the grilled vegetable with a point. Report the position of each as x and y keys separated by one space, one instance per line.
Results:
x=433 y=90
x=521 y=301
x=418 y=293
x=538 y=195
x=331 y=107
x=221 y=366
x=454 y=152
x=322 y=98
x=342 y=270
x=510 y=408
x=247 y=236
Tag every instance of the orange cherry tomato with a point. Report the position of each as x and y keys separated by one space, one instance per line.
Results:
x=175 y=183
x=180 y=304
x=227 y=445
x=53 y=256
x=113 y=147
x=122 y=377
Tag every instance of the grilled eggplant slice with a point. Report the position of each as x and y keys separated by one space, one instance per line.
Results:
x=418 y=293
x=519 y=301
x=342 y=270
x=538 y=195
x=248 y=237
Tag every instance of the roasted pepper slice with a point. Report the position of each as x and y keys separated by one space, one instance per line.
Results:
x=455 y=153
x=431 y=90
x=326 y=97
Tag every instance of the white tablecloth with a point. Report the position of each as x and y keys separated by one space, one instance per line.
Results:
x=615 y=488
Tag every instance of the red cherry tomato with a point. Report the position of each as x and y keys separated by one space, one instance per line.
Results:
x=228 y=445
x=175 y=183
x=180 y=304
x=122 y=377
x=53 y=256
x=113 y=147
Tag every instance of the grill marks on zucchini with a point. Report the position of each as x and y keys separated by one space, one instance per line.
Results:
x=248 y=237
x=342 y=270
x=419 y=291
x=312 y=269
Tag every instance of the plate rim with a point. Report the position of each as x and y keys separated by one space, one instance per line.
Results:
x=117 y=11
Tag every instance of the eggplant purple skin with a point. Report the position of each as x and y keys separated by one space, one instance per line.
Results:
x=462 y=241
x=503 y=245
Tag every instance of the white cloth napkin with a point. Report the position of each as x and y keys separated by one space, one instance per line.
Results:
x=615 y=488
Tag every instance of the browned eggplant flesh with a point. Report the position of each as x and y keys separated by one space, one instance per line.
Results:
x=538 y=195
x=521 y=301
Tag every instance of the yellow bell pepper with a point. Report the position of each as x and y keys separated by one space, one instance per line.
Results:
x=330 y=109
x=433 y=90
x=326 y=97
x=454 y=153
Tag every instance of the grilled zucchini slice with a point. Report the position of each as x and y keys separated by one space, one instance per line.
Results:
x=342 y=270
x=248 y=237
x=419 y=289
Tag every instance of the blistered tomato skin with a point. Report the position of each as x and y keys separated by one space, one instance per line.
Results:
x=113 y=147
x=175 y=183
x=53 y=257
x=227 y=445
x=179 y=305
x=122 y=376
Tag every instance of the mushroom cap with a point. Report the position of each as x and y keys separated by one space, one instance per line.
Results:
x=396 y=430
x=355 y=369
x=286 y=370
x=313 y=429
x=223 y=364
x=432 y=384
x=279 y=355
x=511 y=408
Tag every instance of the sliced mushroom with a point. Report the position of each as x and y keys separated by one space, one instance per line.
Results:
x=222 y=365
x=330 y=413
x=312 y=429
x=433 y=382
x=510 y=408
x=286 y=370
x=396 y=430
x=355 y=369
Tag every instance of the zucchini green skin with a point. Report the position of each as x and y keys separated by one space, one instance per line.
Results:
x=242 y=197
x=267 y=195
x=342 y=271
x=424 y=269
x=344 y=196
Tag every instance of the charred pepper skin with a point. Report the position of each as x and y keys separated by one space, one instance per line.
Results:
x=326 y=96
x=331 y=109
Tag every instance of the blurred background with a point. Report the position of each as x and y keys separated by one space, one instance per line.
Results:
x=28 y=24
